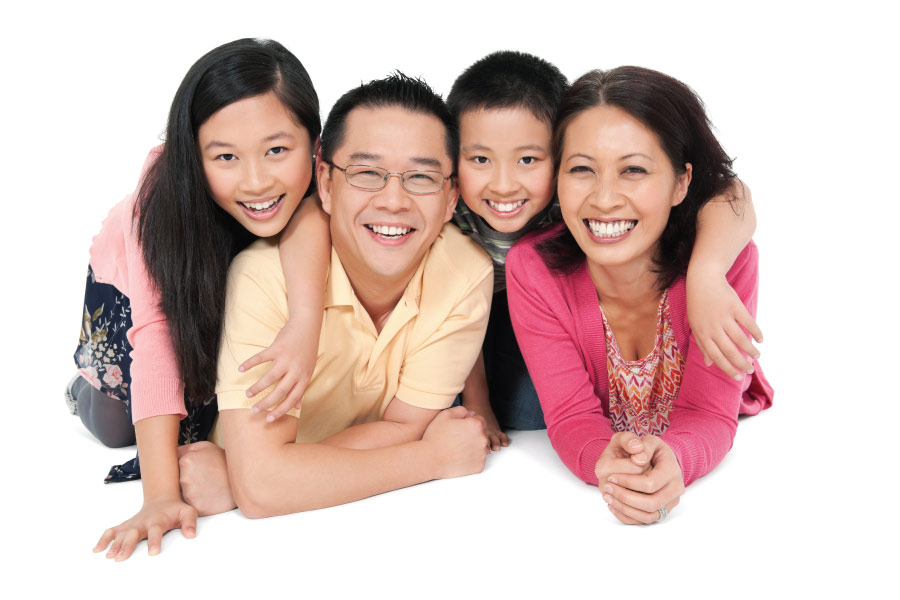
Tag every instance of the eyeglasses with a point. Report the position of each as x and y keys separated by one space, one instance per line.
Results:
x=372 y=179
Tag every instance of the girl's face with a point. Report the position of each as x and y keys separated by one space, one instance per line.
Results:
x=257 y=161
x=616 y=187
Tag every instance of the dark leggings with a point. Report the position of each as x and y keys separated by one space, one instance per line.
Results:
x=103 y=416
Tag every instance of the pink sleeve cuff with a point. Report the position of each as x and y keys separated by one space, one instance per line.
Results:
x=157 y=397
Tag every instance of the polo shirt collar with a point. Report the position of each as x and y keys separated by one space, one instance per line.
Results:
x=339 y=292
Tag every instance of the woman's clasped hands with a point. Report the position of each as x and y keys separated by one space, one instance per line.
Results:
x=640 y=478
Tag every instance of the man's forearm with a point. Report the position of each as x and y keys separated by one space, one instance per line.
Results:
x=272 y=475
x=300 y=477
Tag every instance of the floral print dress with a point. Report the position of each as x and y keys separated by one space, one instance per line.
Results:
x=104 y=360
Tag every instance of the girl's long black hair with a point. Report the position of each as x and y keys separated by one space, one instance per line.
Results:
x=675 y=113
x=187 y=240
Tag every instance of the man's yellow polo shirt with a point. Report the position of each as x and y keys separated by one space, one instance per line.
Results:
x=422 y=355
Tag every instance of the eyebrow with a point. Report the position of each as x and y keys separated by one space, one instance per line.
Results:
x=482 y=147
x=633 y=154
x=425 y=161
x=269 y=138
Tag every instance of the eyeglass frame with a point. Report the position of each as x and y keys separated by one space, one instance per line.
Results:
x=388 y=175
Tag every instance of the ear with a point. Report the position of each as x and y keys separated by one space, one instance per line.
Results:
x=324 y=182
x=452 y=199
x=682 y=183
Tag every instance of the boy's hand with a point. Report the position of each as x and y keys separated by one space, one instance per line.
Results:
x=716 y=314
x=482 y=407
x=636 y=499
x=293 y=358
x=154 y=519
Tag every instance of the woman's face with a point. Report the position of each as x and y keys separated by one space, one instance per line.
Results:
x=616 y=187
x=258 y=162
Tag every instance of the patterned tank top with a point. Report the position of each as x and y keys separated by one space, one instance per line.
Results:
x=642 y=392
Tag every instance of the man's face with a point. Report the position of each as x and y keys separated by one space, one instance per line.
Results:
x=383 y=235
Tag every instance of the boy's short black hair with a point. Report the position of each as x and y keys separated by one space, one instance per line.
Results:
x=410 y=93
x=509 y=79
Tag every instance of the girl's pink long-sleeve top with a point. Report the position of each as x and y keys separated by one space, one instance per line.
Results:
x=559 y=328
x=116 y=259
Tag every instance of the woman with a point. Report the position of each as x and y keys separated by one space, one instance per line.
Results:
x=599 y=305
x=237 y=161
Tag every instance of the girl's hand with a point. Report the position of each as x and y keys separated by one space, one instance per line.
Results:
x=293 y=358
x=636 y=499
x=154 y=519
x=716 y=314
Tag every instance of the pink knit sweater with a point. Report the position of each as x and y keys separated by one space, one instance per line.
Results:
x=559 y=327
x=156 y=386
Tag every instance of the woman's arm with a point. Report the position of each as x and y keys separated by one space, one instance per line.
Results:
x=704 y=417
x=724 y=227
x=545 y=317
x=305 y=250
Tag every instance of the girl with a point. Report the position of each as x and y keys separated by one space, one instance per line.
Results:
x=237 y=161
x=599 y=306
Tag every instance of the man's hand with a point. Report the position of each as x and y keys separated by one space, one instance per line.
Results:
x=635 y=499
x=204 y=478
x=458 y=443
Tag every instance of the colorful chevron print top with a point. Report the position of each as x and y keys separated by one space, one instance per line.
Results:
x=642 y=392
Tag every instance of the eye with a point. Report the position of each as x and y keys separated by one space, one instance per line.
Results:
x=226 y=157
x=528 y=160
x=277 y=150
x=635 y=169
x=479 y=160
x=580 y=170
x=422 y=177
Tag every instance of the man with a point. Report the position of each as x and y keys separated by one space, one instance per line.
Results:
x=406 y=307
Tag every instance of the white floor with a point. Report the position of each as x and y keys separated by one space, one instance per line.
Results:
x=805 y=505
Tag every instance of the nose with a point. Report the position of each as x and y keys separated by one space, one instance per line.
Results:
x=605 y=195
x=256 y=178
x=503 y=181
x=393 y=197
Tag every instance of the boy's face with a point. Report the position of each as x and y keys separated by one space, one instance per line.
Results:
x=505 y=166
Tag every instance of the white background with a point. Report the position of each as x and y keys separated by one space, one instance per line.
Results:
x=802 y=94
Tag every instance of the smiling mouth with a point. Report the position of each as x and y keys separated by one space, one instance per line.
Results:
x=506 y=207
x=610 y=229
x=389 y=232
x=263 y=207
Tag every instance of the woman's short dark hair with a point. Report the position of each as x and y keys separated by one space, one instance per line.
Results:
x=675 y=113
x=187 y=240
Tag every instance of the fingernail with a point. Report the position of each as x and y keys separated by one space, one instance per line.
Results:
x=240 y=369
x=634 y=443
x=749 y=370
x=607 y=498
x=269 y=419
x=248 y=394
x=608 y=489
x=254 y=410
x=613 y=480
x=153 y=551
x=738 y=377
x=642 y=456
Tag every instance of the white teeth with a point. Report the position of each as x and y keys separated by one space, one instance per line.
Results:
x=390 y=231
x=260 y=206
x=614 y=229
x=505 y=206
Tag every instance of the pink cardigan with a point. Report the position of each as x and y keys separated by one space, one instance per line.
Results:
x=156 y=386
x=560 y=332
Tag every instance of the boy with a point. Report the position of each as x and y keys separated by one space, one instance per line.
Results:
x=505 y=105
